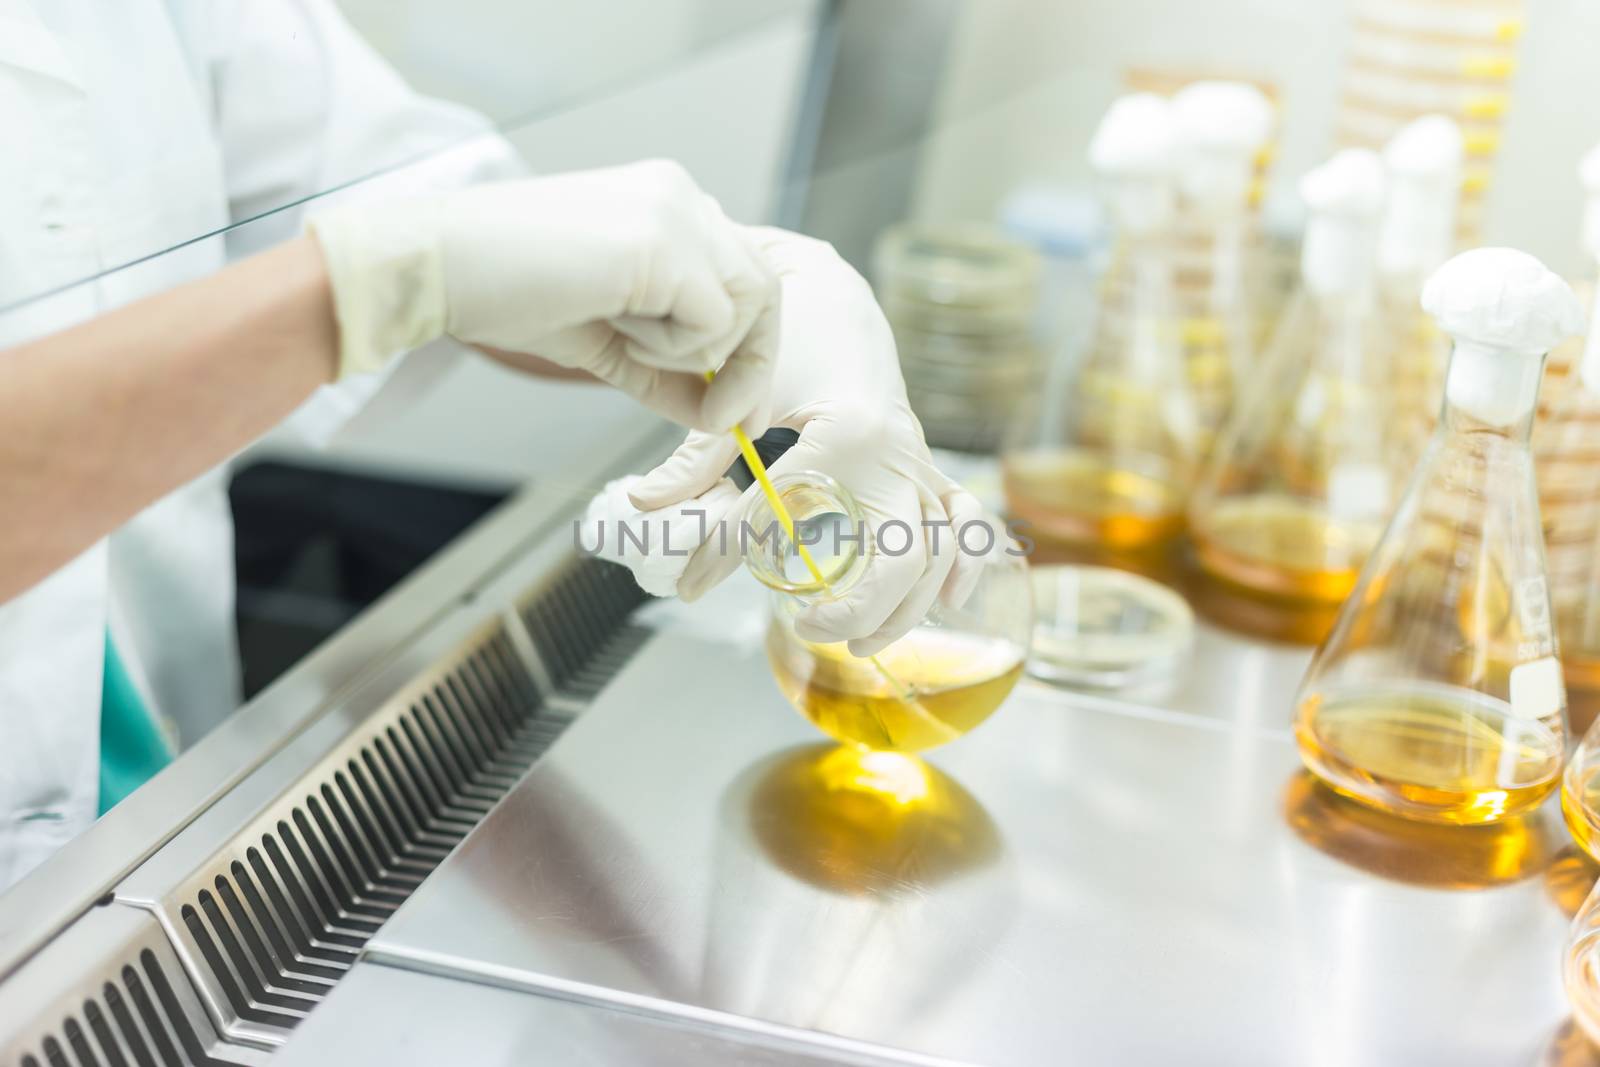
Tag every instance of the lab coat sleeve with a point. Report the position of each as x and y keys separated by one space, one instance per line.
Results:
x=305 y=108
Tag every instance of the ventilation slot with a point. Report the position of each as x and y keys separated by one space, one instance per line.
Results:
x=138 y=1017
x=576 y=614
x=276 y=924
x=578 y=625
x=264 y=930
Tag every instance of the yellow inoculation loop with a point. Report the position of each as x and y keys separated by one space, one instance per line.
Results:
x=758 y=469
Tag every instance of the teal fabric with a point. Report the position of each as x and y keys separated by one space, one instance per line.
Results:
x=132 y=748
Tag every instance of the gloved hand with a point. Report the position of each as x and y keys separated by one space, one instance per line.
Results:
x=838 y=383
x=630 y=273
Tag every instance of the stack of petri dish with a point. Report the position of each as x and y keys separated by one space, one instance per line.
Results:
x=961 y=301
x=1410 y=58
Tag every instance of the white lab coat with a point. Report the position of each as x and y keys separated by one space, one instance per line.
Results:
x=130 y=127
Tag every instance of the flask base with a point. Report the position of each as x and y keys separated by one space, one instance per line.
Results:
x=1435 y=753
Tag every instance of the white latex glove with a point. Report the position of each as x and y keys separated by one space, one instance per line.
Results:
x=630 y=273
x=655 y=545
x=838 y=383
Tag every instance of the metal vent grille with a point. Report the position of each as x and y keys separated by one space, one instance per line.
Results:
x=281 y=914
x=139 y=1011
x=218 y=946
x=572 y=616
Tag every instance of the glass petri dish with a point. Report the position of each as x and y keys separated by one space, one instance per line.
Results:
x=1102 y=628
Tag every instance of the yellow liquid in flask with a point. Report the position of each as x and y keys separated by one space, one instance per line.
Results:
x=1280 y=547
x=1445 y=755
x=1580 y=807
x=1079 y=497
x=952 y=683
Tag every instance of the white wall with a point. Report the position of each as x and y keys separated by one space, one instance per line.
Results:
x=1029 y=78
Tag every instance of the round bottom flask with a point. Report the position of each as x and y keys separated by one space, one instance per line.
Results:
x=939 y=681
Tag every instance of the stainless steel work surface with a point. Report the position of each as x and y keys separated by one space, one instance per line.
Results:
x=1076 y=881
x=418 y=1018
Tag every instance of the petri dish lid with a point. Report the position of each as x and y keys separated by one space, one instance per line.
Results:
x=1102 y=628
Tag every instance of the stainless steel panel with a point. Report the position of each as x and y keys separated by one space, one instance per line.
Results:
x=109 y=990
x=1228 y=679
x=486 y=1026
x=1088 y=882
x=470 y=581
x=269 y=895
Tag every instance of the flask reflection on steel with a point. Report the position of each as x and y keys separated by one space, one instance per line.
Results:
x=855 y=888
x=1570 y=1047
x=1569 y=879
x=859 y=821
x=1416 y=853
x=1581 y=966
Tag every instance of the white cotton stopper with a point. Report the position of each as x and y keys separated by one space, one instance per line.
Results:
x=655 y=545
x=1423 y=162
x=1589 y=176
x=1220 y=127
x=1504 y=310
x=1343 y=199
x=1134 y=150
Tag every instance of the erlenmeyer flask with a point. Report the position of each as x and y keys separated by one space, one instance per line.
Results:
x=1294 y=495
x=1567 y=455
x=1438 y=694
x=1423 y=161
x=1221 y=127
x=1566 y=451
x=1104 y=468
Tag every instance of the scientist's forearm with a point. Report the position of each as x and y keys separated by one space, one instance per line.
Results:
x=100 y=420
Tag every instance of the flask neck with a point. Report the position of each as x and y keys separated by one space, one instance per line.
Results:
x=827 y=521
x=1418 y=227
x=1148 y=271
x=1337 y=260
x=1146 y=312
x=1491 y=389
x=1216 y=183
x=1226 y=258
x=1341 y=328
x=1142 y=206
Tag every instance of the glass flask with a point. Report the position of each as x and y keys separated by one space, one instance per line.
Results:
x=961 y=301
x=1222 y=126
x=931 y=686
x=1103 y=466
x=1567 y=456
x=1580 y=969
x=1423 y=162
x=1453 y=57
x=1296 y=491
x=1566 y=451
x=1438 y=694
